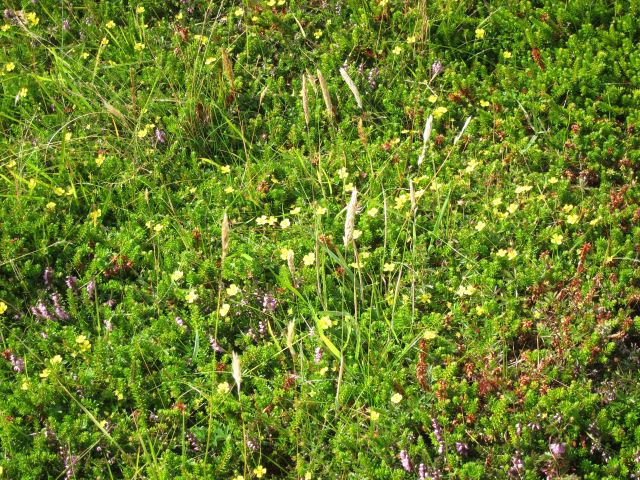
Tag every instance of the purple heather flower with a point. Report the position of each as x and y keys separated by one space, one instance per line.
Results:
x=436 y=68
x=60 y=312
x=405 y=460
x=91 y=286
x=558 y=449
x=518 y=429
x=269 y=303
x=65 y=24
x=422 y=472
x=44 y=335
x=215 y=346
x=108 y=325
x=71 y=282
x=40 y=311
x=517 y=465
x=317 y=357
x=193 y=442
x=17 y=363
x=462 y=448
x=47 y=276
x=262 y=328
x=252 y=445
x=179 y=322
x=160 y=136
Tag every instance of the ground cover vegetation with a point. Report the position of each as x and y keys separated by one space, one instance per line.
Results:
x=369 y=239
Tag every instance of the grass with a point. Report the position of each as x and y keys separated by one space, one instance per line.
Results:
x=471 y=311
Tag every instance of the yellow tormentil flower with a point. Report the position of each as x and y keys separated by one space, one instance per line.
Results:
x=104 y=42
x=33 y=19
x=232 y=290
x=411 y=39
x=325 y=322
x=321 y=211
x=142 y=133
x=396 y=398
x=429 y=335
x=572 y=219
x=191 y=297
x=373 y=415
x=158 y=227
x=284 y=253
x=480 y=226
x=309 y=259
x=259 y=471
x=438 y=112
x=177 y=275
x=388 y=267
x=512 y=253
x=480 y=33
x=100 y=160
x=556 y=239
x=372 y=212
x=3 y=307
x=285 y=223
x=10 y=67
x=138 y=46
x=140 y=9
x=397 y=50
x=506 y=55
x=110 y=24
x=432 y=98
x=45 y=373
x=225 y=169
x=51 y=205
x=224 y=387
x=224 y=309
x=55 y=360
x=523 y=189
x=95 y=215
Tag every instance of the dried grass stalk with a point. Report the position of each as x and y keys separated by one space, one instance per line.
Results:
x=464 y=127
x=290 y=334
x=351 y=217
x=412 y=196
x=425 y=138
x=290 y=263
x=236 y=370
x=325 y=94
x=225 y=236
x=352 y=86
x=361 y=133
x=227 y=67
x=305 y=99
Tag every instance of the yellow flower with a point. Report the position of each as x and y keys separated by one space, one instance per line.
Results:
x=100 y=160
x=373 y=415
x=138 y=47
x=511 y=253
x=295 y=211
x=33 y=18
x=232 y=290
x=23 y=92
x=567 y=208
x=84 y=55
x=45 y=373
x=55 y=360
x=110 y=24
x=224 y=387
x=142 y=133
x=480 y=226
x=556 y=239
x=177 y=275
x=5 y=27
x=396 y=398
x=429 y=335
x=357 y=234
x=484 y=103
x=397 y=50
x=191 y=297
x=3 y=307
x=325 y=322
x=104 y=42
x=95 y=215
x=259 y=471
x=284 y=253
x=553 y=180
x=512 y=208
x=388 y=267
x=321 y=211
x=25 y=385
x=229 y=189
x=307 y=476
x=468 y=290
x=68 y=136
x=309 y=259
x=238 y=477
x=317 y=34
x=224 y=309
x=285 y=223
x=225 y=169
x=158 y=227
x=523 y=189
x=238 y=12
x=572 y=219
x=58 y=191
x=118 y=394
x=480 y=33
x=595 y=221
x=438 y=112
x=432 y=98
x=496 y=201
x=506 y=54
x=140 y=9
x=372 y=212
x=209 y=60
x=411 y=39
x=179 y=16
x=83 y=343
x=342 y=173
x=348 y=187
